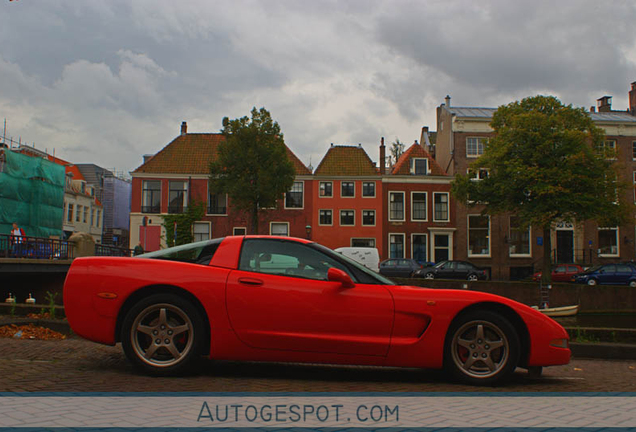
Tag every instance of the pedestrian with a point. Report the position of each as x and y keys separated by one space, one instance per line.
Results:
x=17 y=239
x=139 y=249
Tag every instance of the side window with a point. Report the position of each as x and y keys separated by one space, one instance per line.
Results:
x=622 y=268
x=572 y=269
x=559 y=269
x=287 y=259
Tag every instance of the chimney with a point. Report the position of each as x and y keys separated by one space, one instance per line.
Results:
x=632 y=99
x=382 y=161
x=447 y=101
x=184 y=128
x=592 y=109
x=604 y=104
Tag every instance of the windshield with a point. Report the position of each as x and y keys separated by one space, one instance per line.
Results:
x=198 y=253
x=592 y=269
x=378 y=278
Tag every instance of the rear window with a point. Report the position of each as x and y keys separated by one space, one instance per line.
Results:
x=195 y=253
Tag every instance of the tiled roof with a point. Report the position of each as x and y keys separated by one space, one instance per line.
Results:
x=403 y=165
x=192 y=153
x=487 y=113
x=346 y=161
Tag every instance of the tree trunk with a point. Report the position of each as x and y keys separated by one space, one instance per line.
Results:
x=255 y=219
x=546 y=276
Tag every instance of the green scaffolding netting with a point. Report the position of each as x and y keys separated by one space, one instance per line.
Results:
x=31 y=194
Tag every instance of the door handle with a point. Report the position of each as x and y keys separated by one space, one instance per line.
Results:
x=250 y=281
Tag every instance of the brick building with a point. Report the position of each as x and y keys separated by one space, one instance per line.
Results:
x=497 y=242
x=178 y=175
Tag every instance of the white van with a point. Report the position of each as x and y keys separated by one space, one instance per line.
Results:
x=367 y=256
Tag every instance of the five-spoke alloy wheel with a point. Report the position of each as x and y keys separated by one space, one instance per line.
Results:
x=482 y=348
x=162 y=334
x=429 y=276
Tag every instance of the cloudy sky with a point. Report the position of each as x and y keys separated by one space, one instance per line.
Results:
x=108 y=81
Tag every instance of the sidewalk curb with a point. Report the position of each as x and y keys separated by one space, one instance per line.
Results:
x=607 y=351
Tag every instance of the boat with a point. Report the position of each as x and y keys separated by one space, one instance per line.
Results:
x=559 y=311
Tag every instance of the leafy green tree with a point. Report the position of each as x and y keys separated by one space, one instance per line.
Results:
x=184 y=221
x=252 y=165
x=545 y=164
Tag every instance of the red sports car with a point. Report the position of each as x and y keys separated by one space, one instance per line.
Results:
x=263 y=298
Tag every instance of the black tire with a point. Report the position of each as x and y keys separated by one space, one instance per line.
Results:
x=484 y=359
x=162 y=334
x=592 y=282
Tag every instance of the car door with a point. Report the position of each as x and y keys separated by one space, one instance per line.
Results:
x=280 y=299
x=446 y=271
x=462 y=270
x=607 y=274
x=388 y=268
x=623 y=274
x=559 y=274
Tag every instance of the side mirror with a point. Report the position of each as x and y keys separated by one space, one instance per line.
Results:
x=337 y=275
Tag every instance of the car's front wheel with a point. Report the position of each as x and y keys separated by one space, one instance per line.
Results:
x=482 y=348
x=429 y=276
x=592 y=282
x=162 y=334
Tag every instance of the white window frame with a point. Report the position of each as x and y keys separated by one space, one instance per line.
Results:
x=207 y=208
x=479 y=255
x=413 y=219
x=478 y=173
x=362 y=217
x=302 y=200
x=354 y=189
x=412 y=167
x=202 y=223
x=634 y=150
x=322 y=224
x=480 y=141
x=374 y=188
x=403 y=206
x=426 y=248
x=447 y=207
x=403 y=245
x=319 y=189
x=362 y=238
x=519 y=255
x=340 y=217
x=272 y=223
x=239 y=228
x=618 y=243
x=433 y=249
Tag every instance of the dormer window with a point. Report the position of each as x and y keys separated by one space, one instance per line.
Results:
x=419 y=166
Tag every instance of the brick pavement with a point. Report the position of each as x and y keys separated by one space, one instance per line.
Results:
x=78 y=365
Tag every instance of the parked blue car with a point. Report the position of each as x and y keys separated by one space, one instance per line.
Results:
x=608 y=274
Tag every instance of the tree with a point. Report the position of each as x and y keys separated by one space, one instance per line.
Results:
x=252 y=165
x=544 y=164
x=397 y=148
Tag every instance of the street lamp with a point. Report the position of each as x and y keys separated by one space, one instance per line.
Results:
x=308 y=229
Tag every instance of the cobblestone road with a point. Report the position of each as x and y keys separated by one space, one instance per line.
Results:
x=78 y=365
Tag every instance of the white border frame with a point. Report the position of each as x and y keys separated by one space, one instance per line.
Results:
x=447 y=205
x=412 y=165
x=354 y=189
x=413 y=207
x=389 y=206
x=474 y=255
x=340 y=218
x=403 y=245
x=375 y=217
x=208 y=223
x=278 y=222
x=321 y=224
x=375 y=189
x=517 y=255
x=302 y=206
x=325 y=181
x=618 y=242
x=243 y=228
x=483 y=139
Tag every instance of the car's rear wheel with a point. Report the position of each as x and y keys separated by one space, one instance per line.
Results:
x=592 y=282
x=632 y=283
x=162 y=334
x=429 y=276
x=472 y=277
x=482 y=348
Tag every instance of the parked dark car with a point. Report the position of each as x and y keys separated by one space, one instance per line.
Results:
x=452 y=270
x=608 y=274
x=399 y=267
x=562 y=273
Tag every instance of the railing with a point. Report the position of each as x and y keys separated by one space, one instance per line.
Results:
x=220 y=210
x=151 y=209
x=177 y=209
x=105 y=250
x=34 y=247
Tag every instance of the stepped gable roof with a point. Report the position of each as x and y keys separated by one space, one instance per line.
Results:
x=403 y=166
x=343 y=160
x=192 y=153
